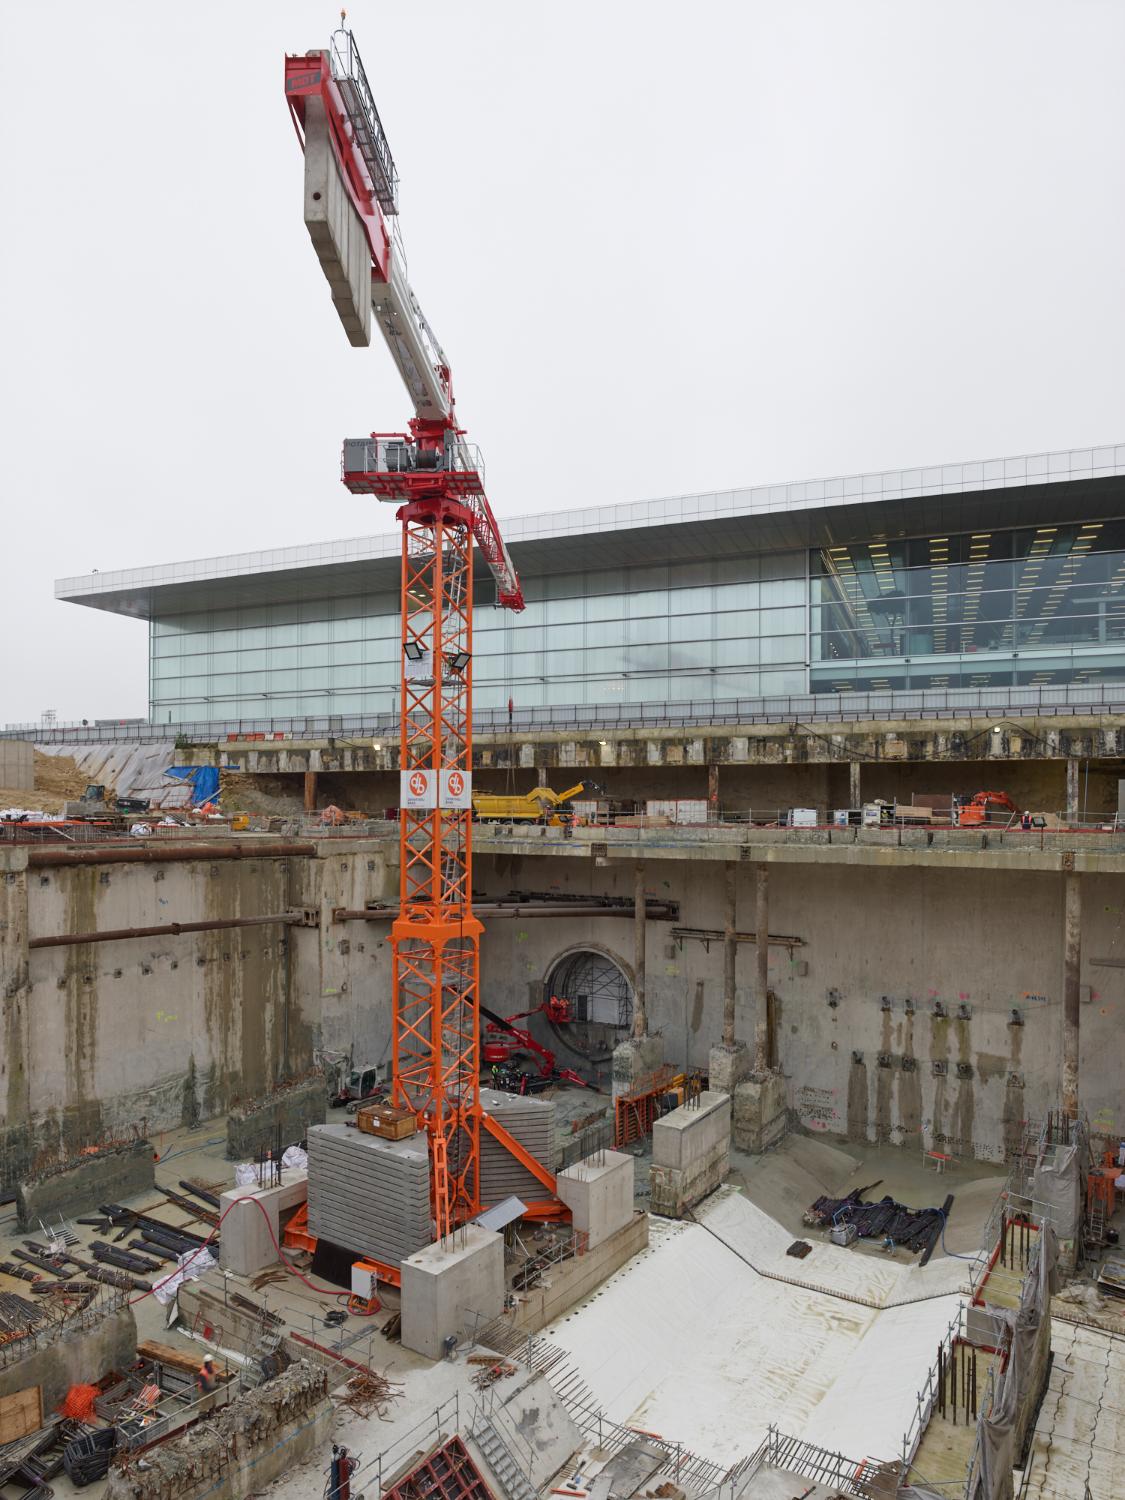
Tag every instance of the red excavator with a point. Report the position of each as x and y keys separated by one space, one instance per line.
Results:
x=504 y=1039
x=982 y=808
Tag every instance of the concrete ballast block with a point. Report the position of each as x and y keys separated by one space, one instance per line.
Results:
x=447 y=1291
x=599 y=1194
x=690 y=1153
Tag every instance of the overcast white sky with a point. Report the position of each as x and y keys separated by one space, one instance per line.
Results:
x=667 y=247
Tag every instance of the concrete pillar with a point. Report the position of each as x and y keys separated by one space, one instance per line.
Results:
x=730 y=1061
x=642 y=1053
x=640 y=1015
x=1072 y=969
x=16 y=1148
x=855 y=795
x=310 y=791
x=730 y=953
x=1072 y=789
x=544 y=776
x=762 y=944
x=713 y=790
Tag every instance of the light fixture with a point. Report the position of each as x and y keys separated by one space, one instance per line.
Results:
x=412 y=651
x=603 y=743
x=459 y=660
x=375 y=745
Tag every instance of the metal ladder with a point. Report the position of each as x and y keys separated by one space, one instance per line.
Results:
x=514 y=1482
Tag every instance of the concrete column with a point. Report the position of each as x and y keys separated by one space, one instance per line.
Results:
x=310 y=791
x=762 y=943
x=1072 y=969
x=640 y=1015
x=1072 y=789
x=16 y=1146
x=855 y=796
x=730 y=954
x=713 y=789
x=544 y=776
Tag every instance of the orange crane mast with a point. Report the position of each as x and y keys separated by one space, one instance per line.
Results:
x=437 y=480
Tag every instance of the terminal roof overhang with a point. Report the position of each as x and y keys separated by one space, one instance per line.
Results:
x=946 y=498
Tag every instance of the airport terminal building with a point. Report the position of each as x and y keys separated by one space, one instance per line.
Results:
x=1000 y=579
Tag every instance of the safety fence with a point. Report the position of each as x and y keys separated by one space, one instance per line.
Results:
x=960 y=703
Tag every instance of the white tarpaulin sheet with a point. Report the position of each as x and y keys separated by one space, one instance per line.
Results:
x=689 y=1342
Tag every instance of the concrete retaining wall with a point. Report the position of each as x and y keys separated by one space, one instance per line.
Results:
x=881 y=947
x=110 y=1177
x=79 y=1357
x=242 y=1447
x=173 y=1030
x=290 y=1110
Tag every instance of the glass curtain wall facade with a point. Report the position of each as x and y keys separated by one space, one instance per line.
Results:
x=718 y=628
x=1031 y=606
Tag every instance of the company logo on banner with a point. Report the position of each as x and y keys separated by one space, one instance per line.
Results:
x=456 y=789
x=417 y=790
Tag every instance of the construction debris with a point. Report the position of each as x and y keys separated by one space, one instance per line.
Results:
x=915 y=1229
x=368 y=1393
x=496 y=1370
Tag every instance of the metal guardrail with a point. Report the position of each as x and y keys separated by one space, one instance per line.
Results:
x=971 y=703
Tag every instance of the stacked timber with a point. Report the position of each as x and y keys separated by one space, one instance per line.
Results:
x=369 y=1195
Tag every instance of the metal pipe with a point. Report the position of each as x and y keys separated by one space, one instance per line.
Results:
x=660 y=911
x=1072 y=967
x=42 y=857
x=169 y=929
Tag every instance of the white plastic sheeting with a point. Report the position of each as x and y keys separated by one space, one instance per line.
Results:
x=132 y=770
x=689 y=1342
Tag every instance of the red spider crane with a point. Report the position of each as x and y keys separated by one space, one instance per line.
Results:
x=436 y=478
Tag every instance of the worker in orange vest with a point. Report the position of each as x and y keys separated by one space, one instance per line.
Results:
x=205 y=1377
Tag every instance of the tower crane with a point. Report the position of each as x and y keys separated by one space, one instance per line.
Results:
x=436 y=478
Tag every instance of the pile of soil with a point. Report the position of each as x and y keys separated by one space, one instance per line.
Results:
x=57 y=780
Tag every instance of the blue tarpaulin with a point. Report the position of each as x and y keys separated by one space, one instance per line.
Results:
x=204 y=782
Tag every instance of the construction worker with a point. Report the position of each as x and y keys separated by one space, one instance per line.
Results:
x=1025 y=821
x=205 y=1377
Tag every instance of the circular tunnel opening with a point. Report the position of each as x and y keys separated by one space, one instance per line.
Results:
x=600 y=997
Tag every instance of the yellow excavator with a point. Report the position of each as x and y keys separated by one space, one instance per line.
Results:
x=540 y=805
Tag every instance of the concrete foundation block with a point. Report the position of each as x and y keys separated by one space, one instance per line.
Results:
x=728 y=1066
x=448 y=1292
x=251 y=1234
x=690 y=1153
x=761 y=1113
x=599 y=1194
x=633 y=1060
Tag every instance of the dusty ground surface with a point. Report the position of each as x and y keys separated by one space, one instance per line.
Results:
x=271 y=796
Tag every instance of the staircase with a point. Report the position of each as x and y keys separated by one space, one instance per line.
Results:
x=496 y=1453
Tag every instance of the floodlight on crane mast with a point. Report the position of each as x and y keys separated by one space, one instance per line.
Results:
x=437 y=480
